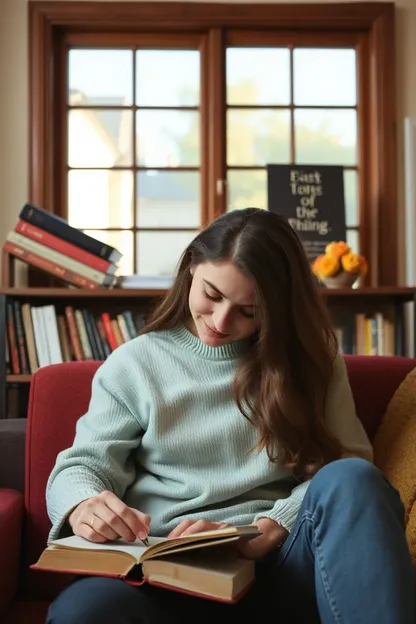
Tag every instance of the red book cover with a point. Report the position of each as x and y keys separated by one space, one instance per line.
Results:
x=112 y=340
x=50 y=267
x=73 y=334
x=68 y=249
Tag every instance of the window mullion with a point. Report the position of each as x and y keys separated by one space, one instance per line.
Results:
x=216 y=126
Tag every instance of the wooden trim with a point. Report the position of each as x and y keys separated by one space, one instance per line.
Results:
x=363 y=161
x=383 y=146
x=217 y=127
x=133 y=40
x=130 y=16
x=374 y=20
x=388 y=292
x=289 y=38
x=204 y=132
x=40 y=109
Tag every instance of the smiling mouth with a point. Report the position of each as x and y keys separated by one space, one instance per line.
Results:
x=216 y=333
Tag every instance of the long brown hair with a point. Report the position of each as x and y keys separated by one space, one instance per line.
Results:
x=281 y=383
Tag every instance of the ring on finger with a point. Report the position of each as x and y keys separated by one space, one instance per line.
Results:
x=92 y=521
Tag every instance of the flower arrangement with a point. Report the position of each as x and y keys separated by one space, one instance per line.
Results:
x=339 y=267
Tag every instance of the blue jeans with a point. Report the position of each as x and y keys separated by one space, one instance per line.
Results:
x=346 y=561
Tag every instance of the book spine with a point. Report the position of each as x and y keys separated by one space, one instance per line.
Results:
x=21 y=339
x=14 y=353
x=52 y=335
x=60 y=228
x=103 y=337
x=90 y=335
x=64 y=340
x=117 y=332
x=73 y=333
x=82 y=333
x=40 y=338
x=30 y=337
x=63 y=247
x=50 y=267
x=58 y=258
x=112 y=340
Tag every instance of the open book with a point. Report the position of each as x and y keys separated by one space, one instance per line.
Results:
x=199 y=564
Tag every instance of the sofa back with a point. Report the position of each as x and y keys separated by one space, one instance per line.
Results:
x=60 y=394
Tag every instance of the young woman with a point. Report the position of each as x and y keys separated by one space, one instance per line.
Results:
x=233 y=407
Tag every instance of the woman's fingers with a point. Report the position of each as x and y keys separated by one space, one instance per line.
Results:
x=189 y=527
x=106 y=517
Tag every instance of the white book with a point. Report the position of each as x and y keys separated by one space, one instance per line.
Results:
x=52 y=335
x=40 y=338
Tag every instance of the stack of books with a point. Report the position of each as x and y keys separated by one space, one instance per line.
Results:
x=49 y=243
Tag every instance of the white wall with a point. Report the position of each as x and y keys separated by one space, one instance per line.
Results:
x=14 y=104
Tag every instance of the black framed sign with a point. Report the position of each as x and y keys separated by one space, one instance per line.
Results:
x=312 y=199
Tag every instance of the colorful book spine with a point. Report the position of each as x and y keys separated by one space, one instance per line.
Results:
x=63 y=247
x=49 y=266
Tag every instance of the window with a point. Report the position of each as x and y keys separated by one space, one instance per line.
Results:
x=157 y=128
x=134 y=149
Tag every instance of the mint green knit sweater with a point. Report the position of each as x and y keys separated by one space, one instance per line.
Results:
x=163 y=433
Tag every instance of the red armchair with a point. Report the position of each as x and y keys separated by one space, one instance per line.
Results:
x=59 y=395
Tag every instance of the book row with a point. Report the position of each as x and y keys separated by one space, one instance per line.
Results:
x=39 y=335
x=367 y=335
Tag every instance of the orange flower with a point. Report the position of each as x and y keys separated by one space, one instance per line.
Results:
x=337 y=249
x=351 y=263
x=325 y=266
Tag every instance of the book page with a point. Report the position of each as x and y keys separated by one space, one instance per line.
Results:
x=159 y=545
x=135 y=549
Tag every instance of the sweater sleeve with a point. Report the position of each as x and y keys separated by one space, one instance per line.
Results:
x=100 y=457
x=345 y=425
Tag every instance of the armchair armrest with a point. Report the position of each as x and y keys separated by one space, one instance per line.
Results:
x=11 y=516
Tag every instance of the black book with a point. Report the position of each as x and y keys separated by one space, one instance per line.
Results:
x=59 y=227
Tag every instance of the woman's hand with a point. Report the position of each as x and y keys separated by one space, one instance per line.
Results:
x=188 y=527
x=272 y=535
x=105 y=517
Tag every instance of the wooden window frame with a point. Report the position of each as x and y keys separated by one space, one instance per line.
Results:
x=373 y=21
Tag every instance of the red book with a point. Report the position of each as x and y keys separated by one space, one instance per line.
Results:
x=112 y=340
x=48 y=266
x=68 y=249
x=204 y=564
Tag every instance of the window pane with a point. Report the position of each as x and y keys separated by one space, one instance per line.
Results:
x=168 y=199
x=100 y=199
x=168 y=138
x=247 y=188
x=167 y=78
x=326 y=137
x=100 y=77
x=258 y=76
x=324 y=77
x=159 y=252
x=123 y=241
x=100 y=138
x=353 y=240
x=351 y=197
x=258 y=137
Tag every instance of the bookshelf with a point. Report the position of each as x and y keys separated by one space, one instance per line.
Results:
x=342 y=303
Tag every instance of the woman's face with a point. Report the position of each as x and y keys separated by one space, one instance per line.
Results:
x=222 y=303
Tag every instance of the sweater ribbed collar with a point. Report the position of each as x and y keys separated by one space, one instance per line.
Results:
x=188 y=341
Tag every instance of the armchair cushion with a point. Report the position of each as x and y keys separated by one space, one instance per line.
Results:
x=395 y=450
x=11 y=516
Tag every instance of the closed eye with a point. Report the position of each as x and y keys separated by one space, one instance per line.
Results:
x=246 y=313
x=212 y=297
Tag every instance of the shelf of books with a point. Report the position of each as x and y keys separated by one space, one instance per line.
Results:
x=42 y=326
